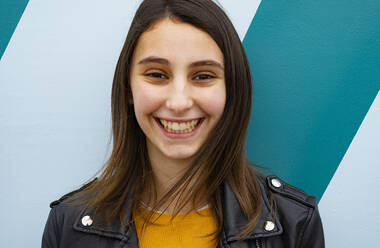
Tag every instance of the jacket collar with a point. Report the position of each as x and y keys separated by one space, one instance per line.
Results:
x=234 y=220
x=114 y=229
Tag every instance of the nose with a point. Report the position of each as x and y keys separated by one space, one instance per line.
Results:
x=179 y=96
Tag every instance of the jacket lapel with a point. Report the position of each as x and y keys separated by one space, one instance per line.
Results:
x=115 y=230
x=235 y=220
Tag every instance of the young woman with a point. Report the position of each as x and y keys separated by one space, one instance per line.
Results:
x=178 y=175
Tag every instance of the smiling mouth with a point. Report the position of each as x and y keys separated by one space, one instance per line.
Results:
x=179 y=127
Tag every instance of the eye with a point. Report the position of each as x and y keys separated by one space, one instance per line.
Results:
x=203 y=77
x=156 y=75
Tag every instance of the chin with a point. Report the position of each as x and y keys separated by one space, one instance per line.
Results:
x=180 y=155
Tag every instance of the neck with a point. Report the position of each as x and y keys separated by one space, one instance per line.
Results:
x=166 y=173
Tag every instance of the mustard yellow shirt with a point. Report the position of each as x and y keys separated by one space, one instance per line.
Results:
x=184 y=230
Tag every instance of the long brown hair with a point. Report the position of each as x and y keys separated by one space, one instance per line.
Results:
x=222 y=158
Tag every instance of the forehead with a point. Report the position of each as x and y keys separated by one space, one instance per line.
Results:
x=176 y=40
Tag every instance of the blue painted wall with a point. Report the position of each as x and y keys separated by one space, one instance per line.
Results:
x=315 y=75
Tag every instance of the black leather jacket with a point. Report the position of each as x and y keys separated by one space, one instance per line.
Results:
x=296 y=224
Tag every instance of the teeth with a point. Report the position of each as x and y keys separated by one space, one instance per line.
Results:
x=179 y=127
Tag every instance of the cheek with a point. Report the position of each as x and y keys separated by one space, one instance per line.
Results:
x=213 y=101
x=145 y=99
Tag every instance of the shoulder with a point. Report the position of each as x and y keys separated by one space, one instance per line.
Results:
x=63 y=215
x=296 y=212
x=288 y=193
x=67 y=208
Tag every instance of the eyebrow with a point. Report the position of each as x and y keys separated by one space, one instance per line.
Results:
x=153 y=59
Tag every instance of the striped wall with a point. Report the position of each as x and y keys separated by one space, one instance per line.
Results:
x=315 y=116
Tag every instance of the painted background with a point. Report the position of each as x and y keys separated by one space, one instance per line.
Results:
x=315 y=117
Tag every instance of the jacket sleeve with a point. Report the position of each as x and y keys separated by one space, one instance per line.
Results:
x=50 y=236
x=313 y=236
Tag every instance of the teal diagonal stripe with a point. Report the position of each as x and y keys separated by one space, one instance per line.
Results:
x=315 y=68
x=10 y=14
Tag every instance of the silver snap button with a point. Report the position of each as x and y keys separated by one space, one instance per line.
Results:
x=86 y=220
x=276 y=183
x=269 y=226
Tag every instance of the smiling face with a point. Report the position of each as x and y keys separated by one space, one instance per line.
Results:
x=178 y=88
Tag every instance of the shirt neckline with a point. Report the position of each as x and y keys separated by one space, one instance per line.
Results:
x=146 y=207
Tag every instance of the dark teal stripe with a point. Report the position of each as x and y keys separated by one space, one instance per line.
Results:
x=315 y=67
x=10 y=14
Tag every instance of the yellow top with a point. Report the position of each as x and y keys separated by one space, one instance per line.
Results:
x=184 y=230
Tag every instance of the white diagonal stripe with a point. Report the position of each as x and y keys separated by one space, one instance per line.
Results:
x=350 y=205
x=241 y=13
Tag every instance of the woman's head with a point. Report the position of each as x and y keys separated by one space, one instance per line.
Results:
x=208 y=18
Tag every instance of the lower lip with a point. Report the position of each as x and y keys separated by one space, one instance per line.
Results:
x=179 y=135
